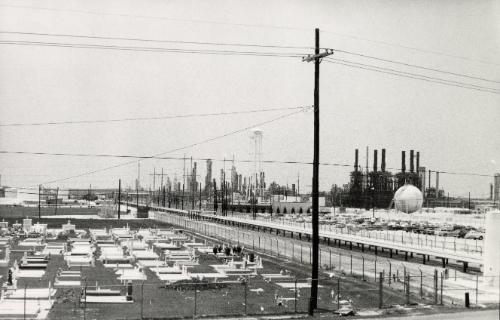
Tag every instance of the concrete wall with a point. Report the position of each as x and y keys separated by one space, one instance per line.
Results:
x=20 y=212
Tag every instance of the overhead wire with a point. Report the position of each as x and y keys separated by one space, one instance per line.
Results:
x=192 y=115
x=245 y=45
x=151 y=49
x=179 y=148
x=101 y=155
x=411 y=75
x=302 y=29
x=238 y=24
x=427 y=51
x=414 y=65
x=257 y=53
x=79 y=36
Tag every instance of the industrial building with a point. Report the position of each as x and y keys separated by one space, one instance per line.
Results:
x=376 y=188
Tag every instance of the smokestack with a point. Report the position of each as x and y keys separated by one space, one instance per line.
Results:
x=367 y=158
x=491 y=191
x=412 y=168
x=356 y=156
x=430 y=179
x=403 y=161
x=375 y=160
x=382 y=165
x=437 y=184
x=418 y=160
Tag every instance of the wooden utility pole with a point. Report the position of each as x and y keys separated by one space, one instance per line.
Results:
x=119 y=196
x=313 y=300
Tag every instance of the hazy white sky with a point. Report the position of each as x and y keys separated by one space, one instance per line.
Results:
x=455 y=129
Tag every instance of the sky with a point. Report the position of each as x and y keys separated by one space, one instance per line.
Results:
x=455 y=129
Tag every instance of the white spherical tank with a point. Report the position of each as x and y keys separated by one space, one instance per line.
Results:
x=408 y=199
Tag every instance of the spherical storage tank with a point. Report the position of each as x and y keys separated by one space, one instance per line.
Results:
x=408 y=199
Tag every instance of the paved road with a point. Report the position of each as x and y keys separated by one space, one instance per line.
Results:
x=476 y=315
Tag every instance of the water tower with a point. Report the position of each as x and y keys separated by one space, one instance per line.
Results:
x=257 y=158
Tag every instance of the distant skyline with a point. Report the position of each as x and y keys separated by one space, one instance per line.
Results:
x=455 y=129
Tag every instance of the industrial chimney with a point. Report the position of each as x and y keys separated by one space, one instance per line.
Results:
x=403 y=161
x=375 y=160
x=412 y=168
x=356 y=160
x=382 y=165
x=437 y=184
x=430 y=178
x=418 y=161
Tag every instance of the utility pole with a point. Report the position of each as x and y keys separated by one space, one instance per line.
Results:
x=39 y=201
x=119 y=196
x=469 y=200
x=313 y=300
x=57 y=196
x=200 y=196
x=154 y=178
x=182 y=206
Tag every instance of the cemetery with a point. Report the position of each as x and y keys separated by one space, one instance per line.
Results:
x=136 y=271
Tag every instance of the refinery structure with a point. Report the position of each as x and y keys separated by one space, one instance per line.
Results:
x=172 y=159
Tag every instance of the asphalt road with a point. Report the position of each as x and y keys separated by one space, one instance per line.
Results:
x=476 y=315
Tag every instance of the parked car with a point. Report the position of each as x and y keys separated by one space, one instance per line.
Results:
x=474 y=235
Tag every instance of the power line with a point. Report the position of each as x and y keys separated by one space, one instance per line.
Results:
x=97 y=155
x=279 y=27
x=415 y=66
x=193 y=115
x=256 y=53
x=232 y=44
x=246 y=45
x=178 y=149
x=150 y=49
x=411 y=75
x=162 y=18
x=413 y=48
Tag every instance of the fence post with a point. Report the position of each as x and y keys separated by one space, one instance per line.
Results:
x=363 y=259
x=246 y=288
x=330 y=250
x=376 y=271
x=295 y=294
x=421 y=283
x=338 y=293
x=85 y=301
x=300 y=253
x=435 y=286
x=340 y=261
x=26 y=288
x=442 y=287
x=351 y=265
x=196 y=300
x=380 y=292
x=293 y=251
x=390 y=273
x=408 y=289
x=477 y=287
x=142 y=300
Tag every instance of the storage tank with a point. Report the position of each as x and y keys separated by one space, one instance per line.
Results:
x=491 y=254
x=408 y=199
